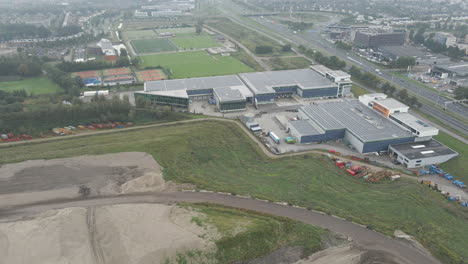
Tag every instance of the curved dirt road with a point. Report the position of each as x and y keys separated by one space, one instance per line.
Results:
x=402 y=251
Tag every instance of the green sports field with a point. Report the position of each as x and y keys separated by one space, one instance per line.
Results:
x=39 y=85
x=152 y=45
x=140 y=34
x=195 y=64
x=184 y=30
x=194 y=42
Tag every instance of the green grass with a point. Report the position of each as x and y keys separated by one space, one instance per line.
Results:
x=195 y=64
x=219 y=156
x=246 y=235
x=420 y=84
x=177 y=30
x=288 y=63
x=39 y=85
x=249 y=38
x=358 y=90
x=245 y=58
x=152 y=45
x=458 y=167
x=194 y=42
x=306 y=16
x=140 y=34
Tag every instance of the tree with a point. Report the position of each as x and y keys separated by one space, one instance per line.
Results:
x=286 y=48
x=405 y=61
x=403 y=95
x=123 y=52
x=198 y=29
x=263 y=49
x=461 y=92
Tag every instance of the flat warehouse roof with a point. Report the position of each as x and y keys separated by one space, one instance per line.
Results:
x=423 y=149
x=460 y=69
x=358 y=119
x=414 y=122
x=264 y=82
x=194 y=83
x=227 y=94
x=391 y=103
x=305 y=128
x=175 y=93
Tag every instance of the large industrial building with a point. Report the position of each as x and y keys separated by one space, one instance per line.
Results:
x=370 y=124
x=374 y=39
x=392 y=53
x=233 y=92
x=350 y=121
x=229 y=90
x=305 y=83
x=457 y=73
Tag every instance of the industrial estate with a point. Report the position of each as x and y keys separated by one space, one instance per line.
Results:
x=233 y=131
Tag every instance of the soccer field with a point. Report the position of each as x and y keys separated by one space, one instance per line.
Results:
x=152 y=45
x=195 y=64
x=140 y=34
x=194 y=42
x=39 y=85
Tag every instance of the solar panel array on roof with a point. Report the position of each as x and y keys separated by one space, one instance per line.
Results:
x=361 y=121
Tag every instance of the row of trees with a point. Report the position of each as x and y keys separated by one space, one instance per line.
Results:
x=402 y=95
x=71 y=85
x=20 y=65
x=331 y=62
x=403 y=62
x=461 y=92
x=68 y=30
x=342 y=45
x=66 y=66
x=297 y=26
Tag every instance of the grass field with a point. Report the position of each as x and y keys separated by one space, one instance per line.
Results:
x=177 y=30
x=219 y=156
x=458 y=166
x=260 y=235
x=39 y=85
x=195 y=64
x=140 y=34
x=152 y=45
x=289 y=63
x=195 y=42
x=358 y=90
x=247 y=37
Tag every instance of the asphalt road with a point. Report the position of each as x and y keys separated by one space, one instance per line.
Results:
x=312 y=39
x=403 y=251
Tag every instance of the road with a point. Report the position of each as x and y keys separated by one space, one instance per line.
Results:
x=312 y=39
x=370 y=240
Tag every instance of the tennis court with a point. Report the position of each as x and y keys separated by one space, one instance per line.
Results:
x=152 y=45
x=150 y=75
x=116 y=71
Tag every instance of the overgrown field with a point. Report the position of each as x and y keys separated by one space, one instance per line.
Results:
x=288 y=63
x=246 y=235
x=38 y=85
x=195 y=64
x=247 y=37
x=219 y=156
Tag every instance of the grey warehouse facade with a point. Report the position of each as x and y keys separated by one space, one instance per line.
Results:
x=363 y=128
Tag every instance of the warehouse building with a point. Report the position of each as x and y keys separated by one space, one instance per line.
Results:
x=229 y=100
x=397 y=112
x=392 y=53
x=419 y=154
x=305 y=83
x=178 y=93
x=340 y=78
x=366 y=130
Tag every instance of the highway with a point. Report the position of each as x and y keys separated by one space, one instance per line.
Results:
x=313 y=40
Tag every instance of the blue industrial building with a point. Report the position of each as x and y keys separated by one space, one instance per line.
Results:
x=350 y=121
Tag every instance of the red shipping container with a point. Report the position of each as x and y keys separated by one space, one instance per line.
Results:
x=355 y=168
x=350 y=172
x=331 y=151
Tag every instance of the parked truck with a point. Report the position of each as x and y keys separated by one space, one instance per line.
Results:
x=275 y=138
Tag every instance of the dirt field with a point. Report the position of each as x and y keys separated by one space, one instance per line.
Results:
x=117 y=234
x=39 y=180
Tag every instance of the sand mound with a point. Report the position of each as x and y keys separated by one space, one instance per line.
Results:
x=40 y=180
x=128 y=233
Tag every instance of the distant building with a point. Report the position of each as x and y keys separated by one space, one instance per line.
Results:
x=392 y=53
x=456 y=73
x=419 y=154
x=373 y=39
x=445 y=39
